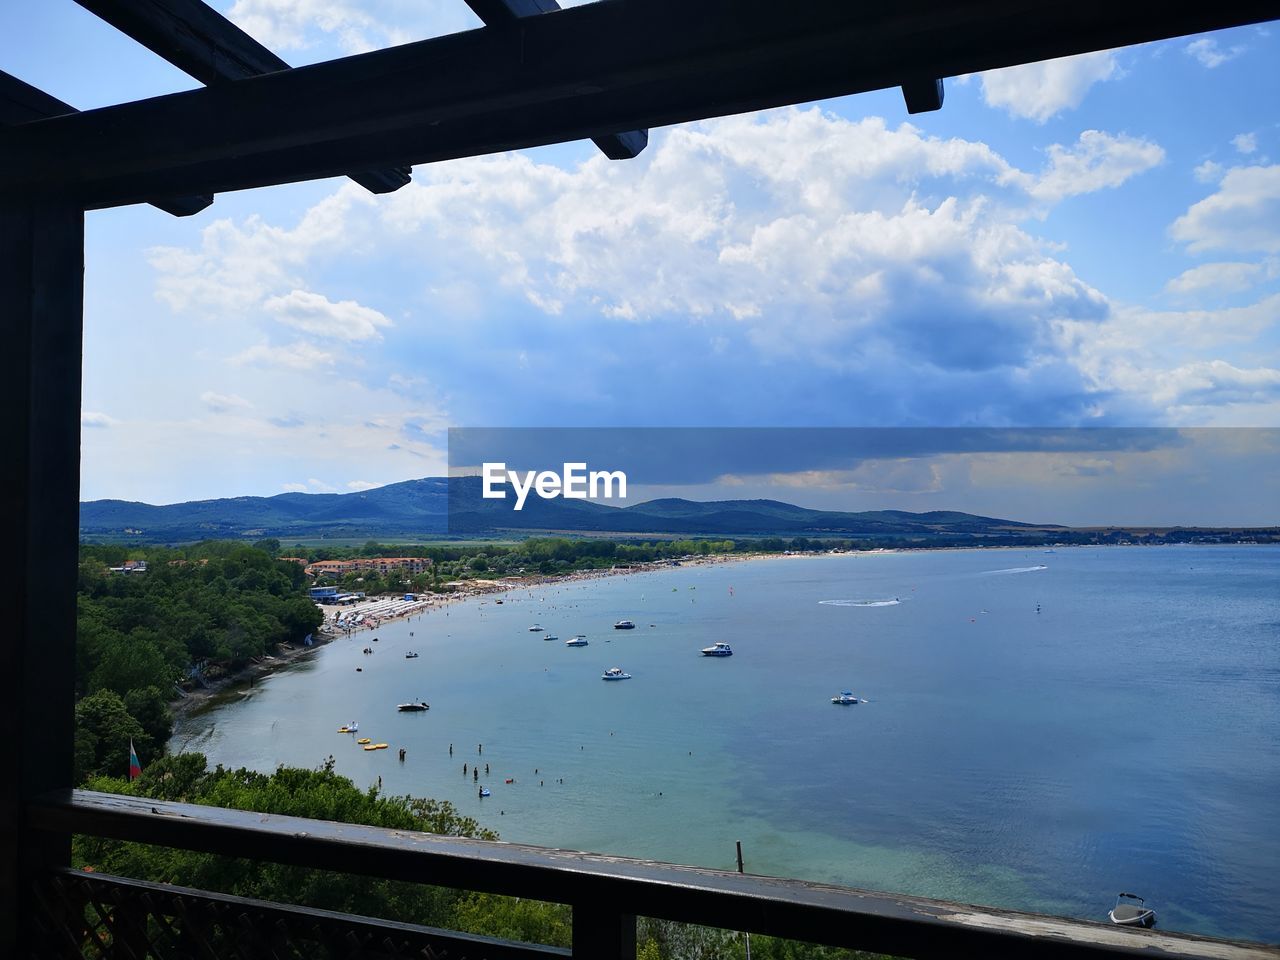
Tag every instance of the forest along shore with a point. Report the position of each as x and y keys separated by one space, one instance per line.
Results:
x=349 y=619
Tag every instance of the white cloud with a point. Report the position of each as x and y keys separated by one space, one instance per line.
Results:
x=1096 y=161
x=1209 y=172
x=362 y=485
x=315 y=314
x=1151 y=365
x=1245 y=143
x=293 y=24
x=294 y=487
x=91 y=418
x=1216 y=383
x=222 y=403
x=239 y=265
x=848 y=243
x=298 y=355
x=1221 y=277
x=1209 y=54
x=1039 y=91
x=1243 y=215
x=846 y=257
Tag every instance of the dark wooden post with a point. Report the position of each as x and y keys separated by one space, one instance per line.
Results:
x=41 y=308
x=600 y=933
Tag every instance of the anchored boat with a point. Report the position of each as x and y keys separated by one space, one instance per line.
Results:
x=615 y=673
x=412 y=707
x=718 y=650
x=1132 y=911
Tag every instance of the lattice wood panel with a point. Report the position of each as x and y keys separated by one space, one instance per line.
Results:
x=83 y=916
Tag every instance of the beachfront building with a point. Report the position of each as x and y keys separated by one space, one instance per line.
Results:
x=533 y=75
x=411 y=566
x=331 y=568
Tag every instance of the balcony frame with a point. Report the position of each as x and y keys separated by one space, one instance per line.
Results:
x=546 y=78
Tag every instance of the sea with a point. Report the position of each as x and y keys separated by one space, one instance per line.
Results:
x=1042 y=728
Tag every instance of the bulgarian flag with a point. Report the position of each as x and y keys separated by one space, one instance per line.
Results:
x=135 y=768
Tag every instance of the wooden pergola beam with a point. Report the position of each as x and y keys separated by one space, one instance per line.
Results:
x=204 y=44
x=557 y=78
x=20 y=102
x=498 y=13
x=923 y=96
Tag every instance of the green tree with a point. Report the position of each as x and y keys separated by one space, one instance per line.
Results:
x=129 y=663
x=150 y=708
x=269 y=546
x=103 y=731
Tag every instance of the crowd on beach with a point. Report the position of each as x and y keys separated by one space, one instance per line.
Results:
x=368 y=614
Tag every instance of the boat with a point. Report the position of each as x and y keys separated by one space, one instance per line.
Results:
x=412 y=707
x=411 y=655
x=380 y=746
x=370 y=746
x=1131 y=911
x=578 y=641
x=624 y=625
x=484 y=791
x=615 y=673
x=846 y=698
x=364 y=740
x=497 y=601
x=718 y=650
x=351 y=727
x=550 y=636
x=536 y=628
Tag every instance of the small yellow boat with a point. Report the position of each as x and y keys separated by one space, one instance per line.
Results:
x=364 y=740
x=370 y=746
x=344 y=730
x=380 y=746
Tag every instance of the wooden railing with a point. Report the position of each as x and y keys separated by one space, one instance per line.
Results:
x=606 y=893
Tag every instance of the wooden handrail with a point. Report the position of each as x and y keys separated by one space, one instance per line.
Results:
x=795 y=909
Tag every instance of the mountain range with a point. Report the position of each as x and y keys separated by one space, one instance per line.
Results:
x=436 y=507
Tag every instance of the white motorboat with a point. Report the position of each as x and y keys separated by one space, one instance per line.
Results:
x=624 y=625
x=412 y=707
x=578 y=641
x=615 y=673
x=550 y=636
x=411 y=655
x=718 y=650
x=536 y=628
x=846 y=698
x=1132 y=911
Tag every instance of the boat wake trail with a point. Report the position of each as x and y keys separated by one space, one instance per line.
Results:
x=1038 y=566
x=861 y=603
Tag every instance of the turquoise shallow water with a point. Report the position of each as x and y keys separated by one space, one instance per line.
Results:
x=1126 y=736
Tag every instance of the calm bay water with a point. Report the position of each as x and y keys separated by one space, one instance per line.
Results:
x=1124 y=736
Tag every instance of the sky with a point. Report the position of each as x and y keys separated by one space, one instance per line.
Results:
x=1087 y=242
